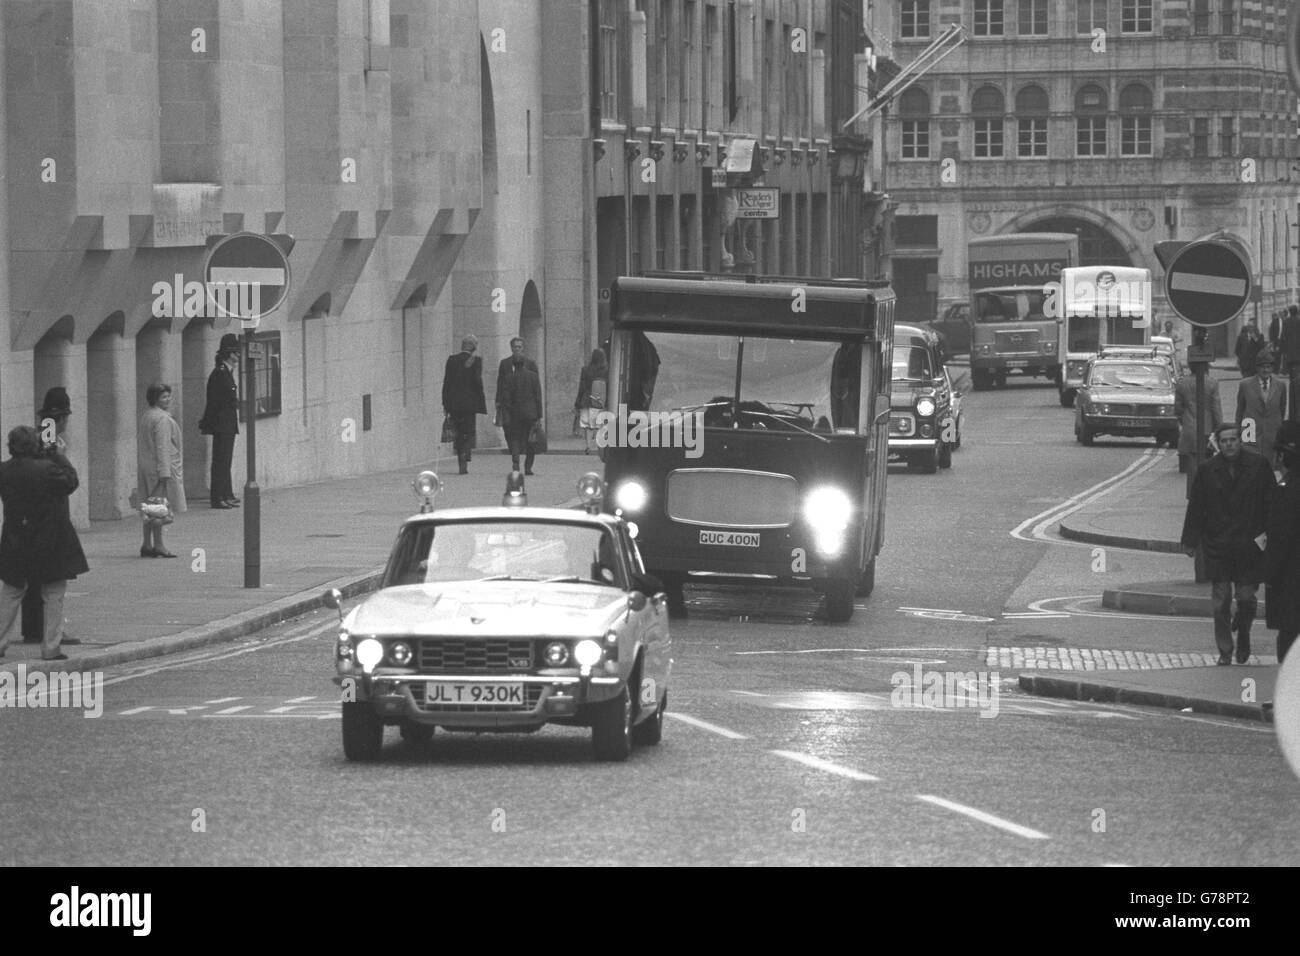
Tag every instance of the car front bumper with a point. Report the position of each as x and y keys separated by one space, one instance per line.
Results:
x=1115 y=425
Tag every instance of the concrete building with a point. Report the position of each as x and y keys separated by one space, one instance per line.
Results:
x=1127 y=122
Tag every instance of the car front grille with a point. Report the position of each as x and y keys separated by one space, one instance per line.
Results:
x=1127 y=410
x=492 y=655
x=734 y=498
x=532 y=696
x=902 y=426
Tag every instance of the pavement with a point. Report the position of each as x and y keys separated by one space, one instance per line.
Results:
x=337 y=534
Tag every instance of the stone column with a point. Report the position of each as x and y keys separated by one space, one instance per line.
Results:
x=111 y=419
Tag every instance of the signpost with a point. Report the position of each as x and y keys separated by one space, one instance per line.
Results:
x=256 y=269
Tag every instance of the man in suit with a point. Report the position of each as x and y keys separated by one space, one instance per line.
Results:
x=522 y=400
x=1226 y=518
x=38 y=546
x=1261 y=407
x=221 y=421
x=504 y=371
x=462 y=397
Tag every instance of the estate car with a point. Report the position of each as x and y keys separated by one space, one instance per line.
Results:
x=1126 y=397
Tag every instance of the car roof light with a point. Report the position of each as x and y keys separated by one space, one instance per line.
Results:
x=515 y=496
x=591 y=489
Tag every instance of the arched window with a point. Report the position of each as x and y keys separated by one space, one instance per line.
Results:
x=1031 y=122
x=1135 y=120
x=987 y=107
x=1090 y=121
x=914 y=110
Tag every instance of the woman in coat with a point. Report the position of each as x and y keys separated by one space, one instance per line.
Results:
x=158 y=459
x=1282 y=551
x=591 y=395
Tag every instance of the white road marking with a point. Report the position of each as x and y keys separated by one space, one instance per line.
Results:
x=231 y=710
x=748 y=693
x=705 y=725
x=300 y=700
x=308 y=716
x=942 y=610
x=817 y=763
x=1039 y=523
x=983 y=817
x=221 y=700
x=808 y=650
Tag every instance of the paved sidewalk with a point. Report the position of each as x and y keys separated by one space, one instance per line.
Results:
x=1146 y=514
x=328 y=534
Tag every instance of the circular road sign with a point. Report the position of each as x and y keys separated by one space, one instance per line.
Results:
x=247 y=276
x=1207 y=283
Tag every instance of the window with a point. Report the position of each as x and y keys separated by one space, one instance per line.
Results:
x=988 y=18
x=986 y=106
x=1227 y=17
x=609 y=103
x=1033 y=18
x=1090 y=121
x=916 y=231
x=708 y=95
x=665 y=66
x=690 y=94
x=1135 y=16
x=915 y=19
x=1031 y=124
x=1201 y=136
x=1226 y=136
x=1091 y=15
x=914 y=109
x=1135 y=120
x=1201 y=17
x=267 y=374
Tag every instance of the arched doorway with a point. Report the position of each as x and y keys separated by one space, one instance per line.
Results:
x=1097 y=247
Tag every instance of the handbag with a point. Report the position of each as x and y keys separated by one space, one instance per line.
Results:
x=448 y=429
x=155 y=509
x=537 y=438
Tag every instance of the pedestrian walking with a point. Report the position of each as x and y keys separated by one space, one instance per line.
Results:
x=160 y=466
x=1282 y=552
x=1226 y=518
x=1176 y=336
x=38 y=546
x=1249 y=344
x=504 y=371
x=522 y=402
x=591 y=396
x=463 y=400
x=1185 y=411
x=1261 y=407
x=221 y=421
x=52 y=425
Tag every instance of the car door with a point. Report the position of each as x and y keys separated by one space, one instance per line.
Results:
x=651 y=624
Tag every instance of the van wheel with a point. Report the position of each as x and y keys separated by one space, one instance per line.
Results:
x=926 y=462
x=867 y=580
x=945 y=455
x=363 y=730
x=981 y=380
x=839 y=601
x=1067 y=398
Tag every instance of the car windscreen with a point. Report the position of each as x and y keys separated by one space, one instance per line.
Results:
x=1135 y=375
x=745 y=381
x=1010 y=305
x=911 y=364
x=516 y=550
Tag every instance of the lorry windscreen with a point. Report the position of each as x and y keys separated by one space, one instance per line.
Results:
x=1010 y=305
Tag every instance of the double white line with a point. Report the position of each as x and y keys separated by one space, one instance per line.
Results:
x=1035 y=528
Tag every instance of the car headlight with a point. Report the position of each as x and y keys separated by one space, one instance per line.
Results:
x=587 y=653
x=400 y=653
x=344 y=648
x=631 y=496
x=925 y=407
x=369 y=653
x=556 y=654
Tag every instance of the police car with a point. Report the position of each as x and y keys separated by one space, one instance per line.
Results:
x=507 y=619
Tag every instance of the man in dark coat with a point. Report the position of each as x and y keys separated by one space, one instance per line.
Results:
x=462 y=397
x=504 y=371
x=221 y=421
x=522 y=401
x=1226 y=517
x=1282 y=553
x=38 y=546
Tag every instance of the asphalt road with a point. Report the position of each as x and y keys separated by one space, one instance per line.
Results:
x=789 y=741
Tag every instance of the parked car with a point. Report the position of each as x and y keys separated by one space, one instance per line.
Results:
x=953 y=327
x=506 y=619
x=923 y=425
x=1130 y=397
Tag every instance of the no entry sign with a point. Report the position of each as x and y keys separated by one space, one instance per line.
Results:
x=1207 y=283
x=247 y=276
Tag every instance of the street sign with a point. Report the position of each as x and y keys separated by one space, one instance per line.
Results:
x=759 y=203
x=247 y=277
x=1207 y=283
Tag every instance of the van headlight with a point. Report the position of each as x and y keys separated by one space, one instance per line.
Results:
x=631 y=496
x=925 y=407
x=828 y=511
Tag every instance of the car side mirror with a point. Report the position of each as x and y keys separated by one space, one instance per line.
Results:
x=636 y=600
x=646 y=584
x=334 y=598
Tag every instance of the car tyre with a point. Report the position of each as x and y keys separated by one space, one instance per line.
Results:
x=1085 y=435
x=1067 y=398
x=417 y=734
x=1000 y=380
x=981 y=380
x=650 y=731
x=945 y=455
x=611 y=728
x=867 y=580
x=839 y=601
x=926 y=462
x=363 y=731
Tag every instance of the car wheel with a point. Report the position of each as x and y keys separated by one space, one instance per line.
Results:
x=839 y=601
x=980 y=380
x=611 y=728
x=1067 y=398
x=414 y=733
x=958 y=442
x=363 y=731
x=650 y=731
x=1086 y=436
x=1000 y=379
x=867 y=580
x=945 y=455
x=926 y=462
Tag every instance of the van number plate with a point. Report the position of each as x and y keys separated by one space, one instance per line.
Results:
x=743 y=539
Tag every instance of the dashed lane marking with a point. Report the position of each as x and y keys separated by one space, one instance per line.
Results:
x=982 y=817
x=817 y=763
x=705 y=725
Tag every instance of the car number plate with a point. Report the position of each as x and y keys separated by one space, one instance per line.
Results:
x=1018 y=363
x=1133 y=423
x=743 y=539
x=447 y=692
